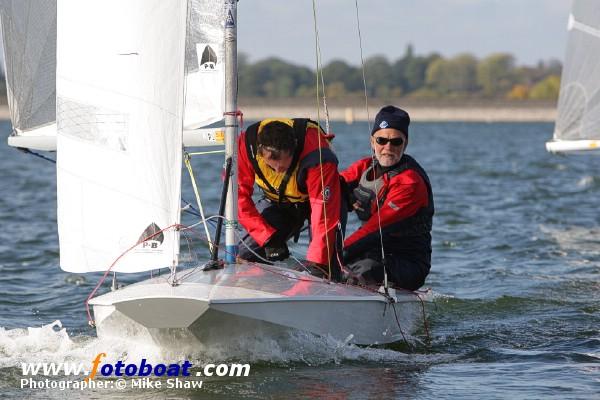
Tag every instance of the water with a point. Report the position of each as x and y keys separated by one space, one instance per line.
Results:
x=516 y=267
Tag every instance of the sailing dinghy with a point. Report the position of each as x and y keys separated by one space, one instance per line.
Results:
x=577 y=128
x=127 y=95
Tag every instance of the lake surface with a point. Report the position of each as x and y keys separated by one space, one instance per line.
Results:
x=516 y=273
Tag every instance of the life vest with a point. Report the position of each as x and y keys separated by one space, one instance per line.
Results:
x=365 y=195
x=280 y=186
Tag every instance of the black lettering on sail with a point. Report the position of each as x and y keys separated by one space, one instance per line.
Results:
x=151 y=233
x=209 y=58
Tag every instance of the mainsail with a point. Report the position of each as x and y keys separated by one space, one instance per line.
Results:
x=578 y=121
x=120 y=104
x=29 y=39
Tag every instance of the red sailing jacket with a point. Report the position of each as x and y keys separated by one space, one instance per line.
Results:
x=405 y=195
x=309 y=181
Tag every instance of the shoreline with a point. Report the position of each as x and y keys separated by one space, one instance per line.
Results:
x=418 y=112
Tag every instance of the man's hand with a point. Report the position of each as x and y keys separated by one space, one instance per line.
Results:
x=362 y=272
x=357 y=206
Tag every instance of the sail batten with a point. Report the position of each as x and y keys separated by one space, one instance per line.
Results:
x=590 y=30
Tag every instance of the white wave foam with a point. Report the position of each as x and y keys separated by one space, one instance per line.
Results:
x=586 y=182
x=51 y=343
x=580 y=239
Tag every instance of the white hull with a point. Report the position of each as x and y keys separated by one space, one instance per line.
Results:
x=254 y=297
x=574 y=146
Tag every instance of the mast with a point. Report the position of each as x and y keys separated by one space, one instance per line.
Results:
x=231 y=127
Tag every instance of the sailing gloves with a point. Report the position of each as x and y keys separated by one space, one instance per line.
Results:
x=364 y=272
x=276 y=250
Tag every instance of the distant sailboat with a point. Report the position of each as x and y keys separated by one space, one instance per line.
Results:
x=29 y=38
x=125 y=98
x=577 y=128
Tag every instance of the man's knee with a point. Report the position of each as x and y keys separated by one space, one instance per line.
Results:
x=407 y=275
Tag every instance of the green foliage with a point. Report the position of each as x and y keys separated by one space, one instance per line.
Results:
x=546 y=89
x=340 y=71
x=457 y=75
x=495 y=74
x=273 y=78
x=432 y=76
x=378 y=74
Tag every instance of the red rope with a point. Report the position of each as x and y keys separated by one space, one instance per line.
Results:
x=237 y=113
x=87 y=301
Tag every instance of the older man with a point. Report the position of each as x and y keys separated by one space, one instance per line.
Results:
x=392 y=196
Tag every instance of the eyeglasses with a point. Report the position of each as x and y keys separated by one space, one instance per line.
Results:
x=382 y=141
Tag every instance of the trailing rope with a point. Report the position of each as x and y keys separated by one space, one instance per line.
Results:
x=33 y=153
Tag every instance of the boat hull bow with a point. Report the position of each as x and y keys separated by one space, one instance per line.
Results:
x=256 y=297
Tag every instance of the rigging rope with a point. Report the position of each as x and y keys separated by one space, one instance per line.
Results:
x=93 y=292
x=188 y=164
x=319 y=68
x=171 y=279
x=373 y=159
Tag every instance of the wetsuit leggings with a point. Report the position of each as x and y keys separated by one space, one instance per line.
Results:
x=402 y=273
x=287 y=219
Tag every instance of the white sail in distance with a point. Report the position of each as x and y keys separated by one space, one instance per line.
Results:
x=577 y=126
x=29 y=41
x=120 y=96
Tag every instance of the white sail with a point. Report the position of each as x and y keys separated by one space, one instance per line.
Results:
x=120 y=84
x=578 y=121
x=204 y=63
x=29 y=40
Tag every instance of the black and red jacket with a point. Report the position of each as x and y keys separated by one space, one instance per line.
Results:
x=405 y=212
x=313 y=178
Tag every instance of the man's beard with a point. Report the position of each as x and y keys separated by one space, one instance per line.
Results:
x=388 y=161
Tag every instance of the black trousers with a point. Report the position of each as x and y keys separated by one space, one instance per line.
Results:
x=402 y=272
x=288 y=219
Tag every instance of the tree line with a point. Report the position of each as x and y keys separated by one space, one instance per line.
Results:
x=414 y=76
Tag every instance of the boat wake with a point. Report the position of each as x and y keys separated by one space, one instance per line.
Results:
x=577 y=239
x=51 y=343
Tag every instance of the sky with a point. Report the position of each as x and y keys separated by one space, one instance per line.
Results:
x=531 y=30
